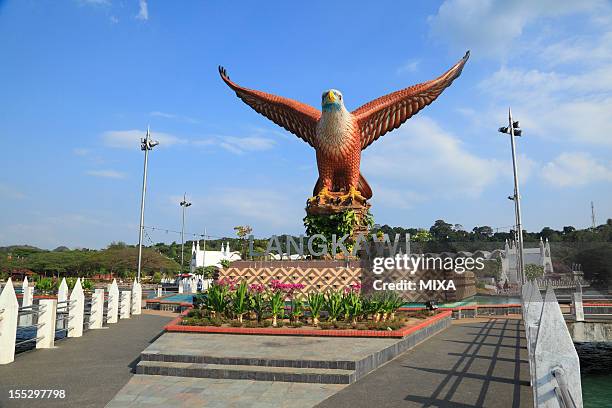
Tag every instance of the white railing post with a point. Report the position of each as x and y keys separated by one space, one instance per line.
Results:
x=76 y=310
x=97 y=309
x=577 y=305
x=124 y=312
x=26 y=300
x=113 y=303
x=47 y=317
x=181 y=286
x=159 y=291
x=62 y=292
x=193 y=286
x=555 y=356
x=9 y=311
x=136 y=298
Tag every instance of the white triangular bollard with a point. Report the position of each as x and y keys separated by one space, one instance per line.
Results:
x=62 y=296
x=27 y=298
x=136 y=298
x=125 y=305
x=76 y=310
x=96 y=317
x=9 y=311
x=112 y=313
x=47 y=318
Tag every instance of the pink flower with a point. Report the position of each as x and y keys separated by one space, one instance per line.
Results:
x=257 y=288
x=354 y=287
x=227 y=282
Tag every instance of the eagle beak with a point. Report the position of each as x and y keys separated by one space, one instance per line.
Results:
x=331 y=97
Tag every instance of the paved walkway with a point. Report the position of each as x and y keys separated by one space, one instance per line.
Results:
x=471 y=364
x=91 y=369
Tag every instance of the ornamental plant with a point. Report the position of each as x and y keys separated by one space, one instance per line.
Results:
x=240 y=301
x=45 y=285
x=391 y=302
x=333 y=304
x=316 y=300
x=352 y=305
x=218 y=299
x=257 y=297
x=374 y=306
x=297 y=308
x=277 y=306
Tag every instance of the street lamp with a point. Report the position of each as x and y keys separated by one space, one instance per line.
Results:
x=146 y=144
x=184 y=204
x=513 y=129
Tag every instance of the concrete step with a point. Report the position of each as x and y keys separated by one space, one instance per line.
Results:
x=247 y=372
x=245 y=361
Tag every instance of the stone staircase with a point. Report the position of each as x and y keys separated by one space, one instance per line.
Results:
x=324 y=360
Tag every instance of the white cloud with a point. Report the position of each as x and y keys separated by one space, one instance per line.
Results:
x=422 y=154
x=106 y=174
x=409 y=66
x=96 y=2
x=238 y=145
x=143 y=10
x=266 y=209
x=130 y=139
x=402 y=199
x=490 y=26
x=576 y=169
x=557 y=106
x=174 y=116
x=114 y=19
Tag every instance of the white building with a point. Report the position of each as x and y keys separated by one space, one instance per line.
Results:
x=537 y=256
x=200 y=257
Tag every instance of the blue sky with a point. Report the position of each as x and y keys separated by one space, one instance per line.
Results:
x=81 y=80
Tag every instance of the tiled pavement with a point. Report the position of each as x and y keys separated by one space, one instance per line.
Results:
x=471 y=364
x=91 y=369
x=153 y=391
x=268 y=347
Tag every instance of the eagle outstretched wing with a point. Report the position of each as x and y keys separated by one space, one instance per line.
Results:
x=388 y=112
x=296 y=117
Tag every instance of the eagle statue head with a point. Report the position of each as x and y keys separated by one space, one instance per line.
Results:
x=331 y=100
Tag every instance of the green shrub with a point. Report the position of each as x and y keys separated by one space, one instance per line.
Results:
x=240 y=301
x=352 y=306
x=297 y=308
x=316 y=301
x=277 y=307
x=45 y=285
x=258 y=304
x=157 y=277
x=218 y=299
x=87 y=284
x=333 y=304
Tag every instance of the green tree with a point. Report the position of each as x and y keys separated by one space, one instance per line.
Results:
x=533 y=271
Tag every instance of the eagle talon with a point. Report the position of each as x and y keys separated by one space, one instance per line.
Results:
x=353 y=195
x=321 y=197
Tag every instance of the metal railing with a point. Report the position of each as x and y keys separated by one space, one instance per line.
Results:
x=554 y=366
x=72 y=312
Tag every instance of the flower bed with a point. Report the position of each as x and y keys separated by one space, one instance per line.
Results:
x=279 y=308
x=177 y=325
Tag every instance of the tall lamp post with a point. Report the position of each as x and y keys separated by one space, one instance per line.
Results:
x=184 y=204
x=513 y=129
x=146 y=144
